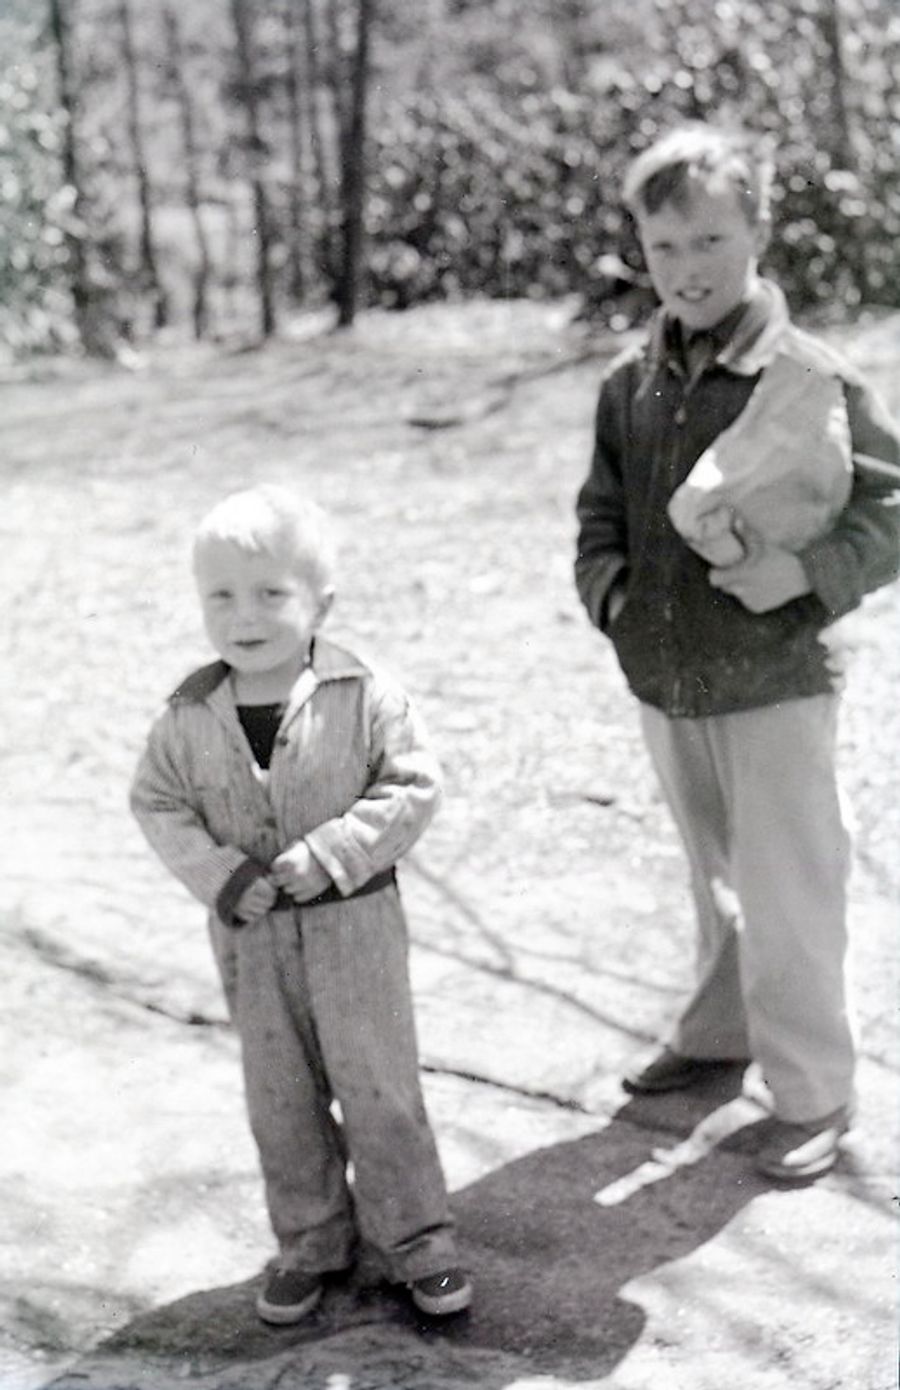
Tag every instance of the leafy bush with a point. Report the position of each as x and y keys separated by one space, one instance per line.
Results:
x=35 y=306
x=507 y=188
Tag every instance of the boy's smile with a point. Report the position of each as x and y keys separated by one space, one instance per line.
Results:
x=260 y=613
x=702 y=258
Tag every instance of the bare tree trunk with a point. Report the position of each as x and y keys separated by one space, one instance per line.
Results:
x=353 y=169
x=340 y=97
x=149 y=271
x=845 y=144
x=95 y=337
x=832 y=24
x=317 y=139
x=299 y=232
x=231 y=274
x=200 y=307
x=255 y=152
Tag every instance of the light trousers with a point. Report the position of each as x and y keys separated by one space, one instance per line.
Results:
x=322 y=1003
x=756 y=801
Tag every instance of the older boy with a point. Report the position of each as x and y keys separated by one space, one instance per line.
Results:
x=732 y=665
x=281 y=784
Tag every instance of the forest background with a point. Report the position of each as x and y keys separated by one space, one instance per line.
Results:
x=210 y=169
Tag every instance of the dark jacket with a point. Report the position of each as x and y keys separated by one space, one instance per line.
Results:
x=685 y=647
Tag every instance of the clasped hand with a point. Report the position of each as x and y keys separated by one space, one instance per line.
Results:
x=296 y=871
x=299 y=873
x=766 y=578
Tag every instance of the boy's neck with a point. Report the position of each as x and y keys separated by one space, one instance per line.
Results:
x=268 y=687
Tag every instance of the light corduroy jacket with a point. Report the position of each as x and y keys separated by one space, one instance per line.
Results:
x=351 y=774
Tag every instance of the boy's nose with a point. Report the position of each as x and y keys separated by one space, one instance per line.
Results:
x=246 y=609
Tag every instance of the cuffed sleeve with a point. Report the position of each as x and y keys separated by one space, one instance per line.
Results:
x=398 y=803
x=234 y=888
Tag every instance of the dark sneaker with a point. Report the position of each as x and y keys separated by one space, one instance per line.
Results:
x=438 y=1294
x=802 y=1152
x=288 y=1295
x=670 y=1071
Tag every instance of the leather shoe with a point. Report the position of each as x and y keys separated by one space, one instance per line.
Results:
x=793 y=1152
x=671 y=1071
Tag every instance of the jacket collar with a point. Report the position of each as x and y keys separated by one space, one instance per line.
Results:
x=744 y=345
x=333 y=663
x=328 y=662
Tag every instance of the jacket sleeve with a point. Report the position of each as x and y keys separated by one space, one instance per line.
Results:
x=601 y=558
x=168 y=814
x=399 y=801
x=862 y=551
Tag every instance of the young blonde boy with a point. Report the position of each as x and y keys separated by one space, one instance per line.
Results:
x=281 y=784
x=733 y=664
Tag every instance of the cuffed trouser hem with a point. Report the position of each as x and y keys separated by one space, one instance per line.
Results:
x=312 y=1258
x=427 y=1255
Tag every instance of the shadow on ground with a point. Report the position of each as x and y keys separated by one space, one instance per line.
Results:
x=549 y=1259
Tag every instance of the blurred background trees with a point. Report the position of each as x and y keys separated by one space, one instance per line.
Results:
x=211 y=168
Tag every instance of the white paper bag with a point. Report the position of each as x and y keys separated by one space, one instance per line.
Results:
x=783 y=467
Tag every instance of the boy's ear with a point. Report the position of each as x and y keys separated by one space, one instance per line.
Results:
x=763 y=234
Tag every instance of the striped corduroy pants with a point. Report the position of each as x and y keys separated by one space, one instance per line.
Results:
x=321 y=1001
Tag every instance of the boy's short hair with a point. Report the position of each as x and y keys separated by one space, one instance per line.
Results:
x=701 y=154
x=272 y=520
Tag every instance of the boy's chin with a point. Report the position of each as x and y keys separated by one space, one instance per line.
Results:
x=699 y=319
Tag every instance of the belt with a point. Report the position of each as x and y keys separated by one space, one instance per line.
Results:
x=284 y=901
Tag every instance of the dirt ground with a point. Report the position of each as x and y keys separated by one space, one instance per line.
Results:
x=548 y=906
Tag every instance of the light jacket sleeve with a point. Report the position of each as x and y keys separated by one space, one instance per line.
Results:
x=862 y=551
x=168 y=814
x=601 y=558
x=399 y=801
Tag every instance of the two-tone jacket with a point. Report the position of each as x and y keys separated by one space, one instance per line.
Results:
x=351 y=774
x=685 y=647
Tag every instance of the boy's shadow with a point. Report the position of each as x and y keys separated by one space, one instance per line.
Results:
x=551 y=1239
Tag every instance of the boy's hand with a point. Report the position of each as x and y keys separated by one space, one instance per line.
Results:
x=766 y=578
x=256 y=900
x=299 y=873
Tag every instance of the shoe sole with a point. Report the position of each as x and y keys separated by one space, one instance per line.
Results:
x=804 y=1174
x=442 y=1304
x=285 y=1315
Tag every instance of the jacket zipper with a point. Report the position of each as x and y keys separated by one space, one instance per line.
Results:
x=688 y=385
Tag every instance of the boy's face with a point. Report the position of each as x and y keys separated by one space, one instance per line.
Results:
x=703 y=258
x=260 y=614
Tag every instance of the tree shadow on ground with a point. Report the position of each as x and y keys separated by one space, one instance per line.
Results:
x=552 y=1239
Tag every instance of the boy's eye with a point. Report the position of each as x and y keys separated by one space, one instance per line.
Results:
x=274 y=593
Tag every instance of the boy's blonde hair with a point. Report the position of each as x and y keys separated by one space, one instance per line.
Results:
x=271 y=520
x=703 y=155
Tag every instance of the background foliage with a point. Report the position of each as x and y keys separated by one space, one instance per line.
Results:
x=498 y=133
